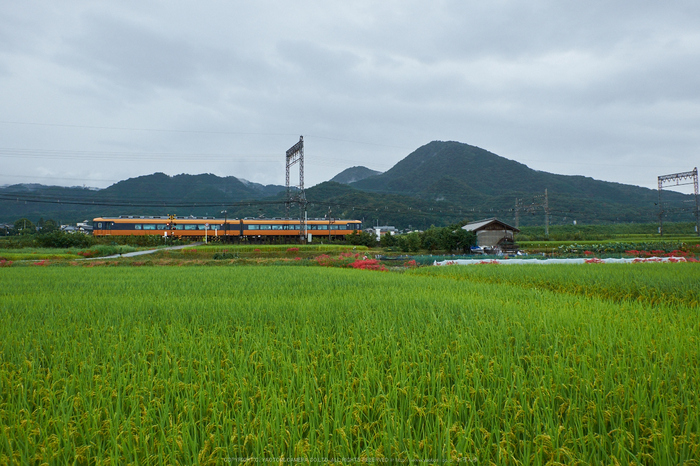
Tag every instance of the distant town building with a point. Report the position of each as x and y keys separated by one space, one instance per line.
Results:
x=492 y=233
x=84 y=226
x=383 y=230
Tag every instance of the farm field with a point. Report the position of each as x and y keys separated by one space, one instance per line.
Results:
x=476 y=364
x=62 y=253
x=620 y=247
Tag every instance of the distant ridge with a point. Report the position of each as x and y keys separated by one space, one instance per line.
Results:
x=457 y=172
x=440 y=183
x=353 y=174
x=73 y=204
x=188 y=188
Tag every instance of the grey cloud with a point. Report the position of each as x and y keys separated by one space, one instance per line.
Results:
x=548 y=80
x=130 y=56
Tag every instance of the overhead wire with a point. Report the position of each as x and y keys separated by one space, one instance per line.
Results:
x=450 y=212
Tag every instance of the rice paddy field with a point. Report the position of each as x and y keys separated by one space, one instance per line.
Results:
x=561 y=364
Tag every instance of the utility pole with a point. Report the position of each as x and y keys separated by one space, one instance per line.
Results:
x=538 y=201
x=171 y=225
x=546 y=214
x=225 y=224
x=330 y=220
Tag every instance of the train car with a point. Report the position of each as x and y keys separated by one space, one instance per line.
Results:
x=191 y=227
x=264 y=228
x=248 y=229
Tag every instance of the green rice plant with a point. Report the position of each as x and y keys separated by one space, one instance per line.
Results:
x=12 y=256
x=653 y=283
x=214 y=365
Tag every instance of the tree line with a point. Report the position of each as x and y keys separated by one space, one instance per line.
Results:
x=448 y=239
x=24 y=226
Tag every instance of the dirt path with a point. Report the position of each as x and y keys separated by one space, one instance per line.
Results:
x=149 y=251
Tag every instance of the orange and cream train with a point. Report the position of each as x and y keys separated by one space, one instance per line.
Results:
x=226 y=229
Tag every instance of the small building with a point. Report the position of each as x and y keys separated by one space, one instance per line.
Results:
x=380 y=231
x=84 y=226
x=493 y=234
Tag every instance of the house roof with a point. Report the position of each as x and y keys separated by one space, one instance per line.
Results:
x=481 y=224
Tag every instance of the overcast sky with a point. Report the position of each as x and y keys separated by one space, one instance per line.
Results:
x=96 y=92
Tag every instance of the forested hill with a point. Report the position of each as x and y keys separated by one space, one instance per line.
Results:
x=188 y=188
x=456 y=176
x=454 y=171
x=126 y=197
x=441 y=183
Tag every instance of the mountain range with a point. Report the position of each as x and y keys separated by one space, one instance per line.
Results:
x=440 y=183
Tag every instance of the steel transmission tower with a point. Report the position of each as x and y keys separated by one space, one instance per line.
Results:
x=296 y=154
x=675 y=180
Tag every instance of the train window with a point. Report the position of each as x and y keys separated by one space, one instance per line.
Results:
x=138 y=226
x=161 y=226
x=335 y=227
x=178 y=227
x=99 y=225
x=190 y=227
x=278 y=227
x=149 y=227
x=323 y=227
x=253 y=227
x=265 y=227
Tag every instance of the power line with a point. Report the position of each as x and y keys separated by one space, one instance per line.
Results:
x=157 y=130
x=129 y=156
x=126 y=203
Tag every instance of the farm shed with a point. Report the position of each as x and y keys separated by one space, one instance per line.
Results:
x=492 y=233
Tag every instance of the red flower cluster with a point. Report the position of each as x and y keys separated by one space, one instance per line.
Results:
x=348 y=259
x=5 y=263
x=593 y=260
x=324 y=260
x=659 y=252
x=88 y=253
x=290 y=250
x=368 y=264
x=410 y=264
x=635 y=252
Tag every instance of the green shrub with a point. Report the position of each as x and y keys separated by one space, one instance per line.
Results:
x=61 y=239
